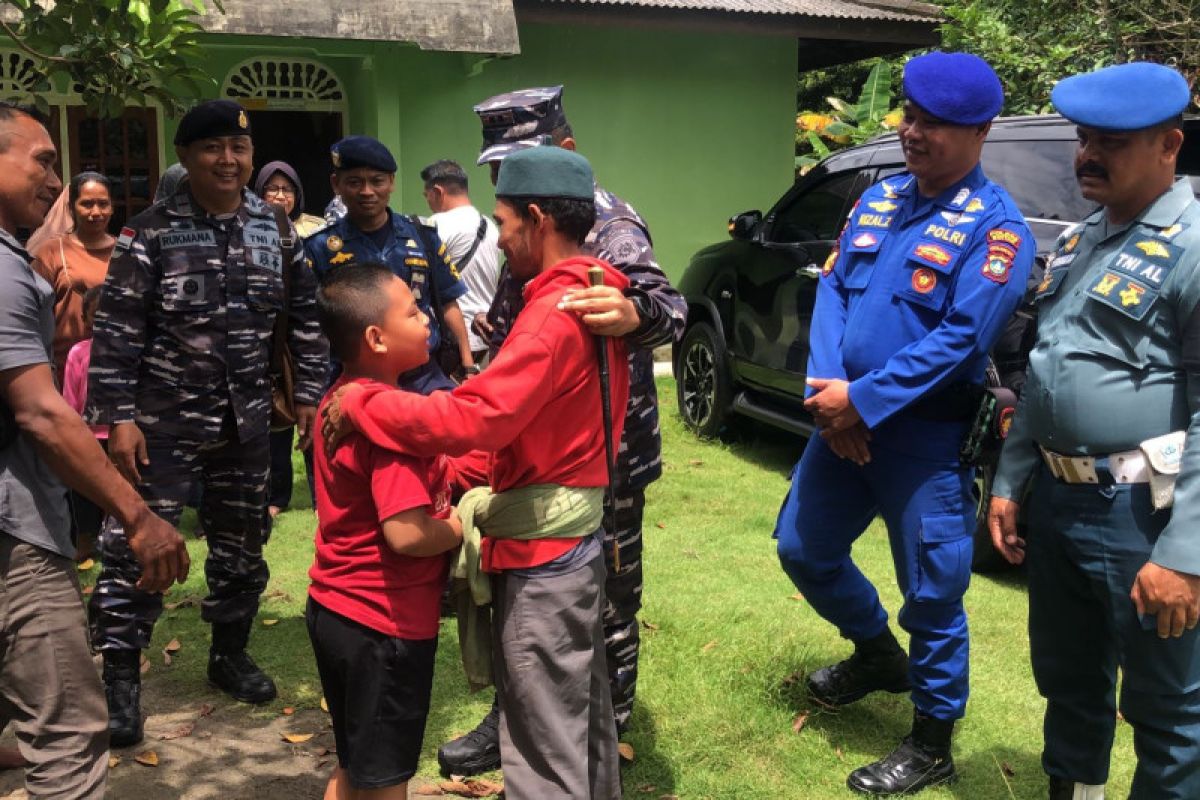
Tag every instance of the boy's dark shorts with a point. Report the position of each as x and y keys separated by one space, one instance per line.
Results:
x=377 y=689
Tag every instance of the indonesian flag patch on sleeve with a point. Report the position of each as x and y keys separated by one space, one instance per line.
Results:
x=125 y=238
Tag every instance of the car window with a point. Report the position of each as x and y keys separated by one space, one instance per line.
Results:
x=1039 y=176
x=817 y=213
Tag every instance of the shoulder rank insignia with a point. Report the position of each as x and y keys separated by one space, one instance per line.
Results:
x=341 y=258
x=1171 y=232
x=961 y=197
x=1131 y=295
x=1153 y=248
x=334 y=243
x=1107 y=284
x=1071 y=243
x=412 y=243
x=829 y=262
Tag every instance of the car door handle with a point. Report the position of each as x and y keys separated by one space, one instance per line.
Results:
x=810 y=270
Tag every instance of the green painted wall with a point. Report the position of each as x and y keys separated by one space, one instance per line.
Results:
x=689 y=128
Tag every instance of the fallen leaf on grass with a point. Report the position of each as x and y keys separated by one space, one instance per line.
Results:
x=288 y=711
x=472 y=788
x=841 y=756
x=324 y=705
x=1007 y=769
x=113 y=761
x=269 y=622
x=455 y=787
x=650 y=626
x=792 y=680
x=297 y=738
x=85 y=565
x=625 y=750
x=186 y=602
x=662 y=525
x=647 y=788
x=695 y=462
x=428 y=790
x=145 y=664
x=179 y=733
x=708 y=646
x=206 y=710
x=799 y=598
x=147 y=758
x=799 y=722
x=173 y=646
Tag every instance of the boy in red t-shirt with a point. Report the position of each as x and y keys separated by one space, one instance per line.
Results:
x=386 y=525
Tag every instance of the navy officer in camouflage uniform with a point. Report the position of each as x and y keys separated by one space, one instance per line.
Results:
x=364 y=175
x=1097 y=450
x=180 y=371
x=648 y=314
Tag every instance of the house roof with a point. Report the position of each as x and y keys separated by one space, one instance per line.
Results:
x=897 y=10
x=470 y=26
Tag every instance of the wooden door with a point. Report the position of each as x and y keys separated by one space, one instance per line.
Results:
x=124 y=149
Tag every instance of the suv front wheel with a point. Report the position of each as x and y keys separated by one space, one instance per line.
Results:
x=702 y=381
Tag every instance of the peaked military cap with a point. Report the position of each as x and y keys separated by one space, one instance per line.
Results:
x=362 y=151
x=212 y=118
x=546 y=172
x=1127 y=97
x=959 y=88
x=519 y=120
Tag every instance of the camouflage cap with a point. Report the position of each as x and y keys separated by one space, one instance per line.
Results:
x=519 y=120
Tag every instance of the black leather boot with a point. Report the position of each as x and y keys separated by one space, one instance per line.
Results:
x=230 y=667
x=123 y=691
x=922 y=760
x=878 y=663
x=478 y=751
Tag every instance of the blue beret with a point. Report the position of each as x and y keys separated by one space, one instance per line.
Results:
x=1127 y=97
x=212 y=118
x=519 y=120
x=546 y=172
x=956 y=87
x=362 y=151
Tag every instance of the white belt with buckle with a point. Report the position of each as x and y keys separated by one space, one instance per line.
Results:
x=1127 y=466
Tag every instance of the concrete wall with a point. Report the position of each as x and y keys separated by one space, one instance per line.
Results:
x=689 y=128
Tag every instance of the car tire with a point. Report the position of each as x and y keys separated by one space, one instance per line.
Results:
x=704 y=386
x=985 y=558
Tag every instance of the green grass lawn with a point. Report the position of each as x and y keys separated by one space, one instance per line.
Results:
x=723 y=631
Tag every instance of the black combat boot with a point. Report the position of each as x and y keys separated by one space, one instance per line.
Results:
x=123 y=690
x=922 y=760
x=878 y=663
x=230 y=667
x=478 y=751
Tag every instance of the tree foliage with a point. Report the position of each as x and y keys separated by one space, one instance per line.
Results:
x=1033 y=45
x=114 y=52
x=818 y=133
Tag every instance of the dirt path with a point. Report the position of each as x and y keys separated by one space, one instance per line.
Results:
x=214 y=750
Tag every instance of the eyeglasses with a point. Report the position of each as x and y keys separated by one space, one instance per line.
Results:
x=288 y=190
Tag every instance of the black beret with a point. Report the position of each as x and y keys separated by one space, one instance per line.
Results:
x=362 y=151
x=212 y=118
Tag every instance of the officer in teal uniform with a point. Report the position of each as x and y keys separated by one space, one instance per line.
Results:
x=1113 y=388
x=925 y=275
x=364 y=174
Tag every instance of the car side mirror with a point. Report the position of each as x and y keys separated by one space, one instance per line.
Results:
x=742 y=226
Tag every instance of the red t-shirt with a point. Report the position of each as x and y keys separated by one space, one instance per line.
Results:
x=536 y=408
x=355 y=573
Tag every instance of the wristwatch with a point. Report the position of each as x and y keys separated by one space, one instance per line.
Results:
x=474 y=369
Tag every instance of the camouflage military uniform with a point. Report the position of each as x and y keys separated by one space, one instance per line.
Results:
x=181 y=346
x=621 y=237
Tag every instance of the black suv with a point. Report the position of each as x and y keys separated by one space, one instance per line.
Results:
x=750 y=300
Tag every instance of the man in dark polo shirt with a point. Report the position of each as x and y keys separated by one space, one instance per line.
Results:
x=49 y=689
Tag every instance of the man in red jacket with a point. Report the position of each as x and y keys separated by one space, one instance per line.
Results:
x=537 y=411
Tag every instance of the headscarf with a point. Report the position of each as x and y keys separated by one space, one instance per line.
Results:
x=281 y=167
x=169 y=181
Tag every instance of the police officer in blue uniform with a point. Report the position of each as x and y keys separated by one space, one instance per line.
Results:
x=364 y=175
x=1098 y=444
x=925 y=275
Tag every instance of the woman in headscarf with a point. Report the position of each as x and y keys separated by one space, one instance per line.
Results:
x=76 y=259
x=279 y=184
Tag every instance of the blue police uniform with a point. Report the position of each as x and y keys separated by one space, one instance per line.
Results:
x=1115 y=367
x=941 y=277
x=407 y=255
